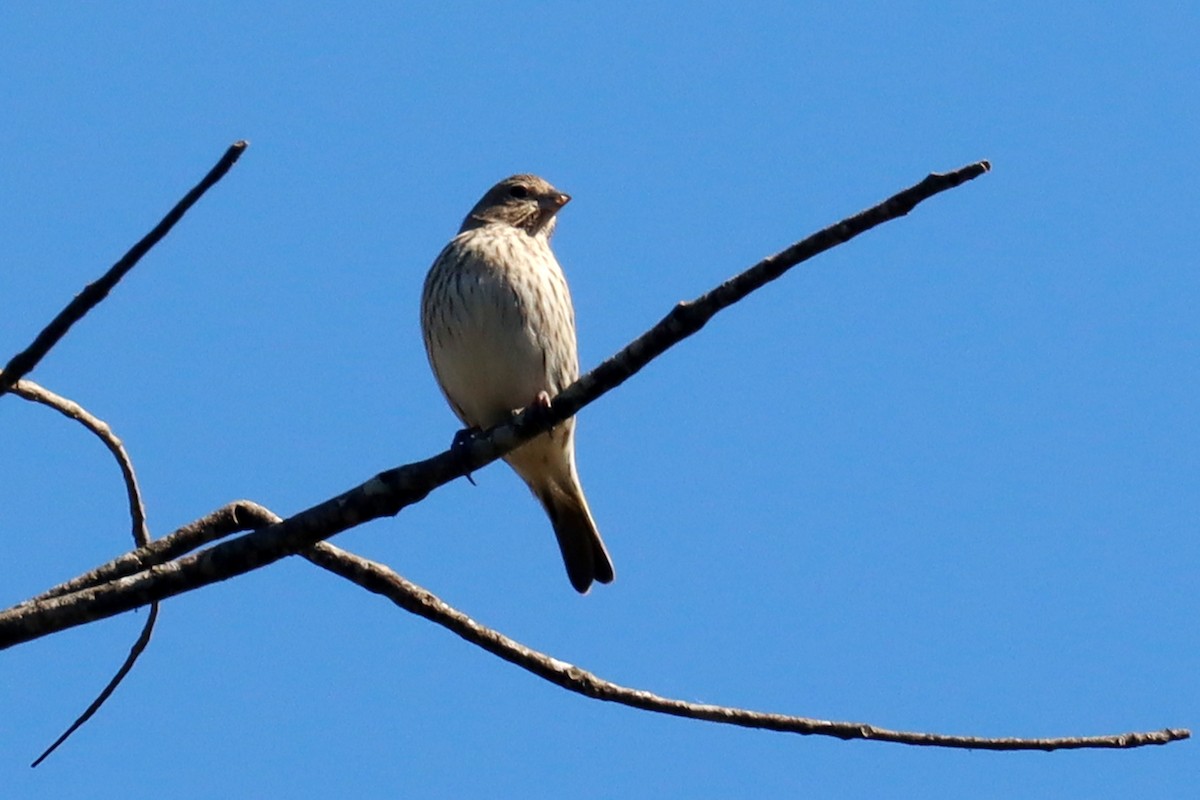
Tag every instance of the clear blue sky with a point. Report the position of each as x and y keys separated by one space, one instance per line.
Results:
x=944 y=478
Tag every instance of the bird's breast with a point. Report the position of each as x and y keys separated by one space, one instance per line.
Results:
x=498 y=323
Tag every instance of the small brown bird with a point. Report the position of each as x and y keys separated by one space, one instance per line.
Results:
x=499 y=331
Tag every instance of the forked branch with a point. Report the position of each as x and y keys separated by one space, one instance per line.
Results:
x=162 y=569
x=389 y=492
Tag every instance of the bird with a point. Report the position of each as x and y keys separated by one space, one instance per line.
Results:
x=499 y=331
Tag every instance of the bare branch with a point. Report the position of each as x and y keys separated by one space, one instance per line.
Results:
x=68 y=408
x=138 y=648
x=389 y=492
x=22 y=363
x=148 y=574
x=240 y=515
x=31 y=391
x=379 y=579
x=232 y=518
x=25 y=361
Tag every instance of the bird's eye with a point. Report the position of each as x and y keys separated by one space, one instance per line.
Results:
x=519 y=192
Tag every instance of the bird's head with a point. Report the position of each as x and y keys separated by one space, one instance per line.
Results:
x=523 y=201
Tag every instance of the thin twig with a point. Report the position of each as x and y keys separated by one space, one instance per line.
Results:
x=31 y=391
x=22 y=363
x=389 y=492
x=234 y=517
x=138 y=648
x=238 y=516
x=68 y=408
x=378 y=578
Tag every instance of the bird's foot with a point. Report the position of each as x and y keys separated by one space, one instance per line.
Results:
x=539 y=406
x=463 y=440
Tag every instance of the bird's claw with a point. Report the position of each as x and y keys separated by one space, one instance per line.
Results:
x=462 y=440
x=539 y=406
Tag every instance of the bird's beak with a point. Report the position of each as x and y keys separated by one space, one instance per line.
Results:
x=554 y=202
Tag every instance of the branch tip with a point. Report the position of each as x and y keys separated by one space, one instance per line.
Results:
x=94 y=293
x=382 y=580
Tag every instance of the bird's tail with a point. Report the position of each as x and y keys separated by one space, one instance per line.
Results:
x=583 y=551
